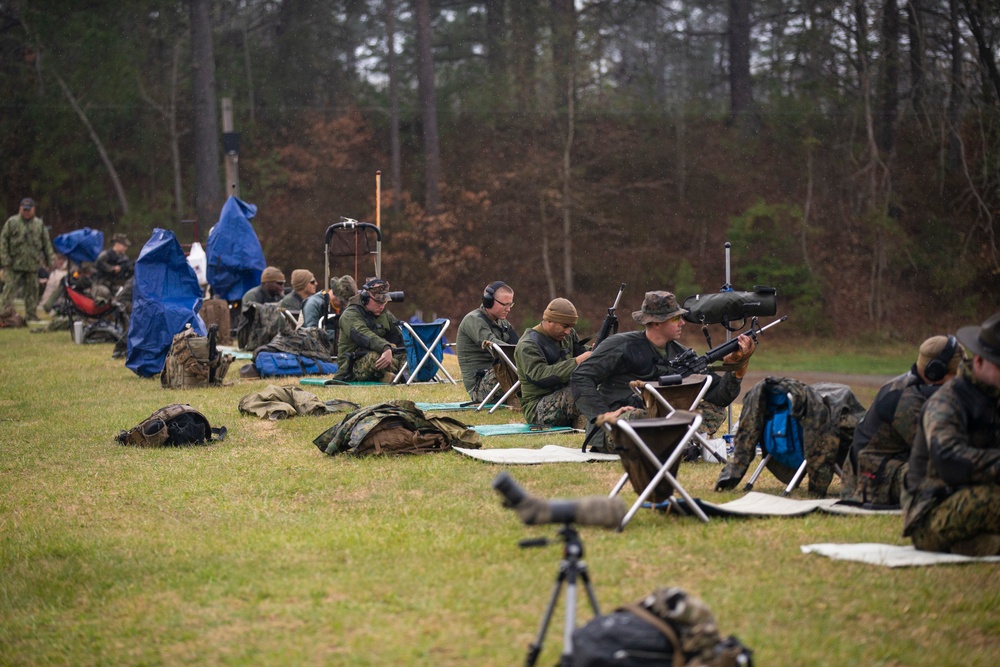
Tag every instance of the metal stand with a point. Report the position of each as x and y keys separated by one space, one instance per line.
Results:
x=571 y=568
x=728 y=287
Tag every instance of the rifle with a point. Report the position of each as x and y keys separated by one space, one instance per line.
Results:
x=610 y=320
x=690 y=363
x=213 y=352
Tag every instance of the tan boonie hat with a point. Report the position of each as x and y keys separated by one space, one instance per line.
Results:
x=983 y=341
x=301 y=278
x=562 y=311
x=658 y=307
x=272 y=275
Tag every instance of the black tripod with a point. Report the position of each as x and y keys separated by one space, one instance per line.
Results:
x=570 y=567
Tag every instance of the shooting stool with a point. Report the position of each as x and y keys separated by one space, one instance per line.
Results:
x=659 y=401
x=503 y=356
x=650 y=451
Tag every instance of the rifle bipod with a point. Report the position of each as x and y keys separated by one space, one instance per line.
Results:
x=571 y=568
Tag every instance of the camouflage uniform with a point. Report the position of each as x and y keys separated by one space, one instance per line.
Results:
x=258 y=295
x=952 y=490
x=362 y=339
x=883 y=439
x=601 y=383
x=106 y=276
x=828 y=414
x=476 y=363
x=544 y=367
x=22 y=244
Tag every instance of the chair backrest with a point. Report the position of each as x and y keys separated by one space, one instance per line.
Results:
x=85 y=304
x=782 y=433
x=426 y=332
x=683 y=396
x=662 y=435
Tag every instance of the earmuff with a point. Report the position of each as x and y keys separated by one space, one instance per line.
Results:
x=937 y=368
x=490 y=291
x=365 y=295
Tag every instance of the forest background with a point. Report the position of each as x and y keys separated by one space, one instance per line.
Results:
x=847 y=150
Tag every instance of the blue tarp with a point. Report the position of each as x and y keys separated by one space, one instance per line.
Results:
x=235 y=258
x=165 y=298
x=81 y=245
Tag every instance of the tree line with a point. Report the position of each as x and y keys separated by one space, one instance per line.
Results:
x=848 y=150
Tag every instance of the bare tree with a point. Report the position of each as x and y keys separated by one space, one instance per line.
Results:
x=742 y=110
x=428 y=108
x=397 y=159
x=208 y=190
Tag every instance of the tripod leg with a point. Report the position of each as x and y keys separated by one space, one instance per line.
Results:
x=536 y=647
x=569 y=623
x=585 y=576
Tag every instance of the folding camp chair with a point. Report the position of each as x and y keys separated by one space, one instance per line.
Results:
x=503 y=354
x=424 y=343
x=650 y=451
x=661 y=399
x=106 y=322
x=781 y=440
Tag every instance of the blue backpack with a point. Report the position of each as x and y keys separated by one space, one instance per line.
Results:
x=782 y=431
x=279 y=364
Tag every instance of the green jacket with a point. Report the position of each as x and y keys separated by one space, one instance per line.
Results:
x=361 y=331
x=258 y=295
x=475 y=328
x=23 y=243
x=544 y=366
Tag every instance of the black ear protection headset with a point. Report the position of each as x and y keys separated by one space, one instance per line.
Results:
x=490 y=292
x=937 y=368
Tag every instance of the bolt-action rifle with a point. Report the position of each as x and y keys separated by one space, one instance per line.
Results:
x=610 y=324
x=690 y=363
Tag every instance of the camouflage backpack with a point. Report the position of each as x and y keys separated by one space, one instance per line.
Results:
x=193 y=361
x=261 y=322
x=9 y=318
x=667 y=627
x=177 y=424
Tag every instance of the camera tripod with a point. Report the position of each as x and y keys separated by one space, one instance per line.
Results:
x=571 y=567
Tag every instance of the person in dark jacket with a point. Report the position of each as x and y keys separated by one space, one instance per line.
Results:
x=951 y=501
x=884 y=437
x=600 y=385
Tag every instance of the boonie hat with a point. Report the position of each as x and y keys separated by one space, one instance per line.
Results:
x=658 y=307
x=120 y=238
x=983 y=340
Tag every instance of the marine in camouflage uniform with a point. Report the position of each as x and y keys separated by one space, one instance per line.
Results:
x=828 y=414
x=885 y=435
x=486 y=323
x=546 y=357
x=951 y=501
x=600 y=385
x=368 y=333
x=23 y=242
x=114 y=273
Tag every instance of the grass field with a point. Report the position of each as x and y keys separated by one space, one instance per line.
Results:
x=261 y=550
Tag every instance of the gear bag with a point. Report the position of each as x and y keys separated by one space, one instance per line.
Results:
x=173 y=425
x=668 y=627
x=190 y=362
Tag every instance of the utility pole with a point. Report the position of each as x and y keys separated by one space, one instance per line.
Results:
x=231 y=147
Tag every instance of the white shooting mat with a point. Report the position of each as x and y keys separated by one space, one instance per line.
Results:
x=524 y=456
x=890 y=555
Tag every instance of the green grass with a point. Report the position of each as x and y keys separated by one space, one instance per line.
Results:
x=261 y=550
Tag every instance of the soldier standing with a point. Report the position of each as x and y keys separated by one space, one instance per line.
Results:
x=546 y=357
x=23 y=242
x=951 y=501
